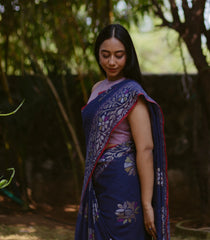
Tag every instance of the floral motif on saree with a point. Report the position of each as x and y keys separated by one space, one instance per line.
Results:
x=130 y=166
x=126 y=212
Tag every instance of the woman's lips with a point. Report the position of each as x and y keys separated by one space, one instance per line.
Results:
x=112 y=69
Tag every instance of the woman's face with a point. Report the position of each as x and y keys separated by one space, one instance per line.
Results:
x=112 y=58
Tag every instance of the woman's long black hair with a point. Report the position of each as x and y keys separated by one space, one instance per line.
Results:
x=132 y=69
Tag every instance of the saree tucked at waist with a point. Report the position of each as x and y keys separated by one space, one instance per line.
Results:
x=110 y=206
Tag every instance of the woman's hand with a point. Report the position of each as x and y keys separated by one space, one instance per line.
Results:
x=149 y=221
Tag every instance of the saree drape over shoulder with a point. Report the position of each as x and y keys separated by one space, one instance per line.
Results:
x=110 y=206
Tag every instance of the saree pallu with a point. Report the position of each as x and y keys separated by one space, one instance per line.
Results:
x=110 y=207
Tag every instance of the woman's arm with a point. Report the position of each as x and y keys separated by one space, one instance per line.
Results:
x=140 y=124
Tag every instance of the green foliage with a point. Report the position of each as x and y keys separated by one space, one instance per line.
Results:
x=4 y=183
x=158 y=51
x=61 y=33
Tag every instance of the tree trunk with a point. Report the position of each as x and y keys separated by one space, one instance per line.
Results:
x=190 y=31
x=204 y=76
x=107 y=12
x=6 y=52
x=110 y=11
x=5 y=84
x=193 y=43
x=201 y=142
x=201 y=152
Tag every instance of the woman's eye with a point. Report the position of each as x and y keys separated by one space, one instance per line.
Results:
x=119 y=56
x=105 y=56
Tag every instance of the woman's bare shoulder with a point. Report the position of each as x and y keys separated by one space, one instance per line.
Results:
x=96 y=85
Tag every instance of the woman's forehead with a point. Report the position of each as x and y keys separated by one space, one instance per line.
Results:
x=112 y=44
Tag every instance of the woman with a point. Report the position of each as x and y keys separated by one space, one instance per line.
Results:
x=125 y=192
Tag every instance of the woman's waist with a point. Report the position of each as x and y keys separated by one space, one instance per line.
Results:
x=120 y=134
x=115 y=140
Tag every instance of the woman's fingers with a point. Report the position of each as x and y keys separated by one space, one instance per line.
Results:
x=152 y=230
x=149 y=222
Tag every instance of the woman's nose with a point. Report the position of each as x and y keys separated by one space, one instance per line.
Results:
x=111 y=60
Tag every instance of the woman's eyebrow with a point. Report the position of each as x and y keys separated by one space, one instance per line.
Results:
x=118 y=51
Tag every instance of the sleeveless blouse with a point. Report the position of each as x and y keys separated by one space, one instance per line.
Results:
x=122 y=132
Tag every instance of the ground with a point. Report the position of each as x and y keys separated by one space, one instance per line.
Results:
x=46 y=222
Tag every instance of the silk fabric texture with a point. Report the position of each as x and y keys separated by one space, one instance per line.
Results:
x=110 y=207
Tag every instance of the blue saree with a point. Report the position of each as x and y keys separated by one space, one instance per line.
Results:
x=110 y=207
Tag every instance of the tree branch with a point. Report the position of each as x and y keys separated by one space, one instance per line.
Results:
x=160 y=14
x=199 y=4
x=186 y=9
x=174 y=11
x=207 y=35
x=197 y=15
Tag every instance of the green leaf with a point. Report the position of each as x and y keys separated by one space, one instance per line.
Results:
x=8 y=114
x=4 y=183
